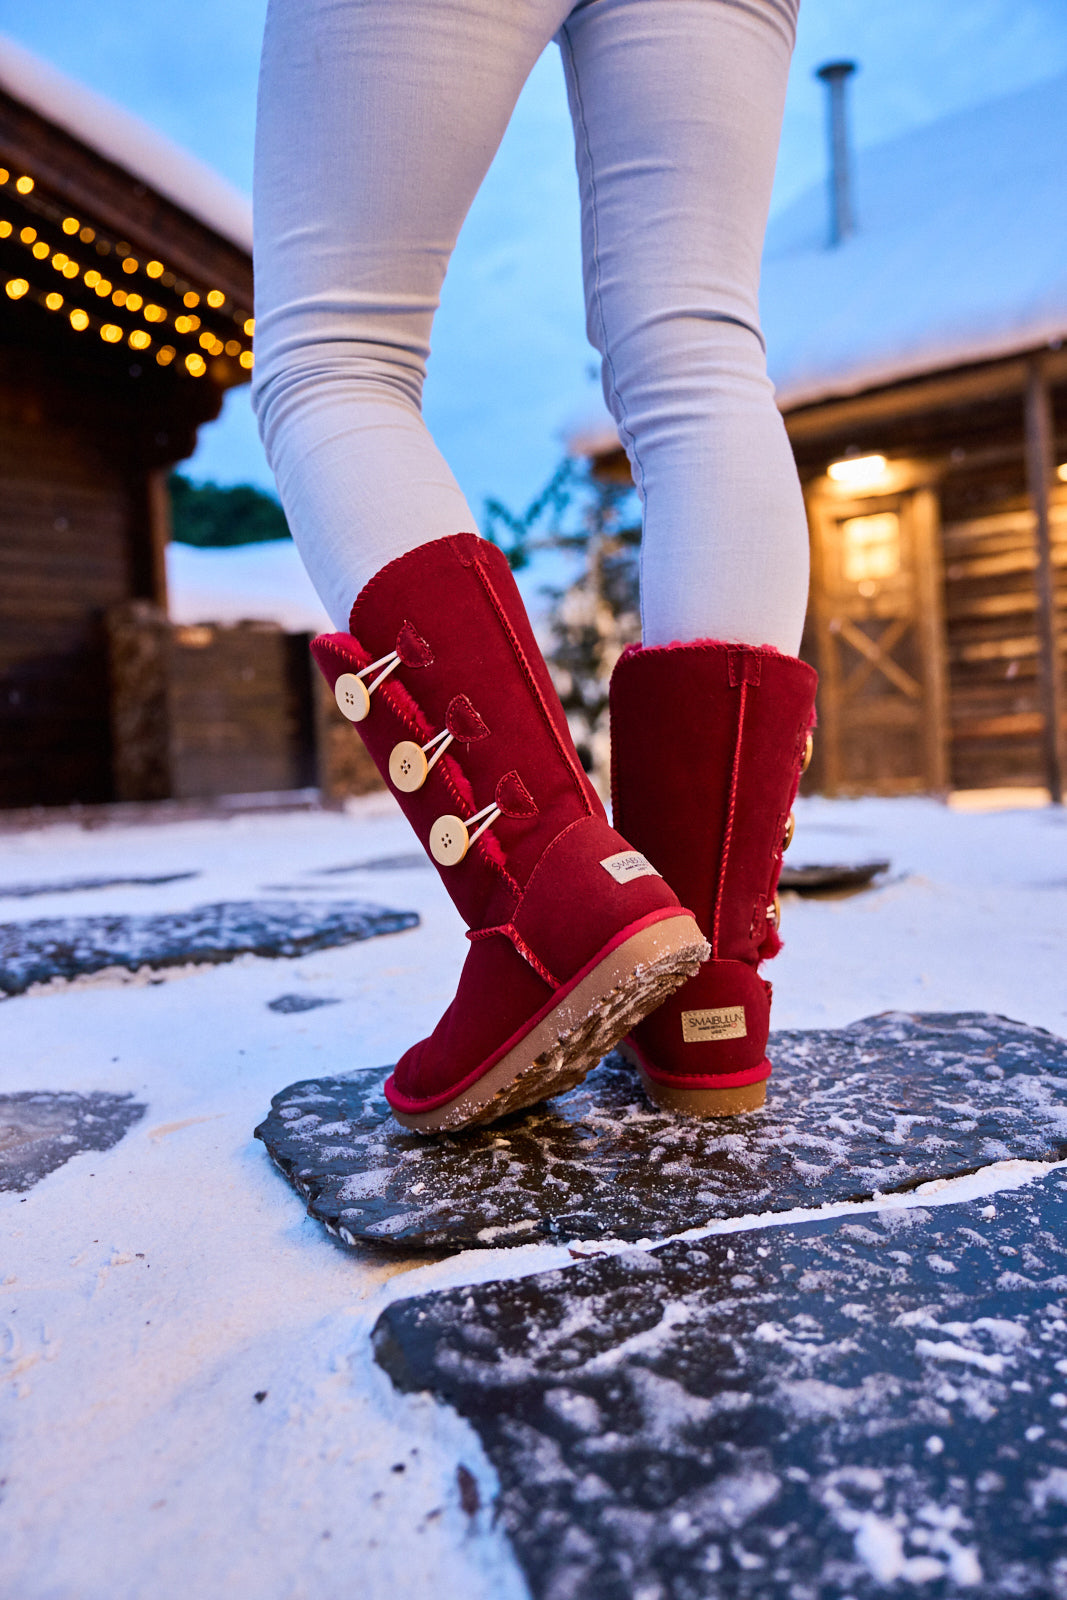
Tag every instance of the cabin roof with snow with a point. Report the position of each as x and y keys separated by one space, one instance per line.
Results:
x=113 y=231
x=959 y=255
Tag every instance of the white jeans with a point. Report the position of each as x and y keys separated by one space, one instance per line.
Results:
x=377 y=122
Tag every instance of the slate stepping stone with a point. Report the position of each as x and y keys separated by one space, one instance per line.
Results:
x=25 y=891
x=883 y=1105
x=790 y=1413
x=830 y=880
x=40 y=1131
x=288 y=1004
x=72 y=947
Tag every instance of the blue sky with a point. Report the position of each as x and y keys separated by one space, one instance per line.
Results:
x=510 y=365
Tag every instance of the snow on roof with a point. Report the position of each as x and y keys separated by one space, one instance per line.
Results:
x=960 y=254
x=127 y=141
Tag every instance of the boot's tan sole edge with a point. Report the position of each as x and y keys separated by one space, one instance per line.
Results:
x=588 y=1022
x=730 y=1102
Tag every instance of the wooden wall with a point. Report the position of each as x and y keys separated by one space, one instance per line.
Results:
x=64 y=558
x=995 y=711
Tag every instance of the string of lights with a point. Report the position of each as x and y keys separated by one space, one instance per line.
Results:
x=122 y=290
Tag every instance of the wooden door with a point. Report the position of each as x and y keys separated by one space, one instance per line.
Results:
x=876 y=615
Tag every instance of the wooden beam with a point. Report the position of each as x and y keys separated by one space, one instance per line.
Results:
x=1039 y=470
x=967 y=386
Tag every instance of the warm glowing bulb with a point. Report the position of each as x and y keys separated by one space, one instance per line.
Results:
x=1061 y=472
x=206 y=341
x=154 y=269
x=71 y=269
x=40 y=250
x=59 y=260
x=53 y=301
x=858 y=472
x=28 y=235
x=215 y=297
x=92 y=278
x=233 y=347
x=181 y=324
x=247 y=358
x=153 y=313
x=87 y=235
x=196 y=365
x=250 y=326
x=71 y=224
x=16 y=288
x=111 y=333
x=130 y=264
x=24 y=185
x=79 y=321
x=191 y=298
x=134 y=302
x=103 y=288
x=139 y=340
x=119 y=297
x=5 y=230
x=4 y=174
x=165 y=355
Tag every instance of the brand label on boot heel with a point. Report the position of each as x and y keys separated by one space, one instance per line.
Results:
x=725 y=1022
x=628 y=865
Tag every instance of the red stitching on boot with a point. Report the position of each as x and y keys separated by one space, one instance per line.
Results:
x=729 y=832
x=509 y=931
x=463 y=722
x=744 y=665
x=412 y=648
x=513 y=797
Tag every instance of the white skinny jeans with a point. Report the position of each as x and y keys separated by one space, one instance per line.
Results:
x=377 y=122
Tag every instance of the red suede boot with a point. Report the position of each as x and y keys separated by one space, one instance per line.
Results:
x=708 y=742
x=574 y=936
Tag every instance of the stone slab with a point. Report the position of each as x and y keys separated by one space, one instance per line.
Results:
x=830 y=879
x=27 y=891
x=40 y=1131
x=71 y=947
x=885 y=1104
x=837 y=1409
x=288 y=1004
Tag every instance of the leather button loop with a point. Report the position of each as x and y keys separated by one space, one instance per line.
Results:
x=790 y=829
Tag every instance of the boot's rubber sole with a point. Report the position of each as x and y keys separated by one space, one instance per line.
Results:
x=729 y=1101
x=631 y=981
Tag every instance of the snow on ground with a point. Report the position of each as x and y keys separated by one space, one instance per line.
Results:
x=153 y=1294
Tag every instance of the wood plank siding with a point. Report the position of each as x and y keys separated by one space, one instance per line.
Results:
x=995 y=712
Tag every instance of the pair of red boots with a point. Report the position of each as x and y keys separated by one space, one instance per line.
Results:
x=579 y=934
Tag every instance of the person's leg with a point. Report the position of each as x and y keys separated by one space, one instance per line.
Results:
x=677 y=107
x=377 y=122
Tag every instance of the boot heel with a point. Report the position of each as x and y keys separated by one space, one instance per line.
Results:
x=733 y=1100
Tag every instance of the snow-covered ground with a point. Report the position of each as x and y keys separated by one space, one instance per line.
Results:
x=188 y=1404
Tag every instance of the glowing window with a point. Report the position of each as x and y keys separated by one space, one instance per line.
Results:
x=870 y=546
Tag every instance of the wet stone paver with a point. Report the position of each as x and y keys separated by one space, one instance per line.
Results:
x=46 y=949
x=27 y=891
x=842 y=1408
x=41 y=1130
x=883 y=1105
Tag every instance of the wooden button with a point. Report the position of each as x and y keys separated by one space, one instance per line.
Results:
x=448 y=841
x=408 y=766
x=809 y=746
x=790 y=829
x=351 y=695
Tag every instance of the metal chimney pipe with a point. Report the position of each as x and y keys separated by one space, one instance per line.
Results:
x=835 y=75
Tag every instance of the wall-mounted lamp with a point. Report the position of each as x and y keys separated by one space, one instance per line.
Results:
x=858 y=472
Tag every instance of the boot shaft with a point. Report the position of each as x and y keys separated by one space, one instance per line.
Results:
x=708 y=742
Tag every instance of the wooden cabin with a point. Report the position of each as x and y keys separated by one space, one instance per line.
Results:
x=125 y=315
x=921 y=368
